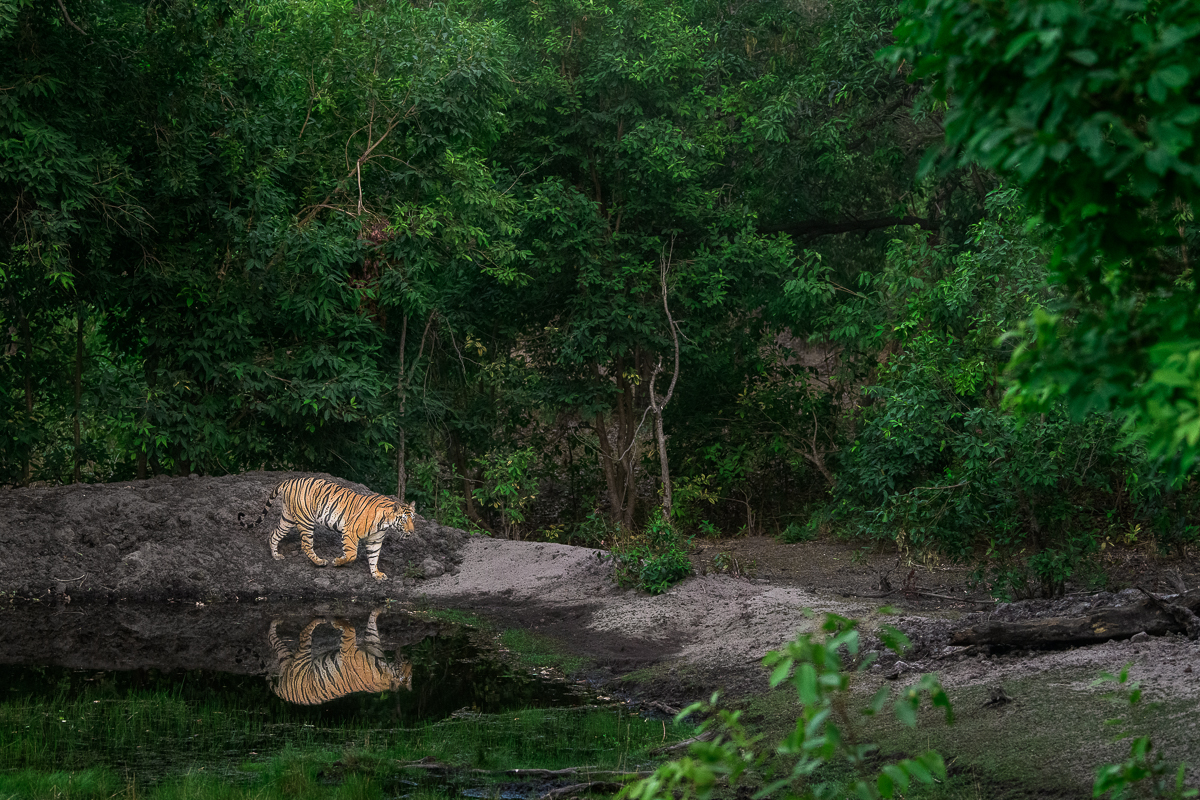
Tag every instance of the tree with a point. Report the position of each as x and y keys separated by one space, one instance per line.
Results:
x=1094 y=109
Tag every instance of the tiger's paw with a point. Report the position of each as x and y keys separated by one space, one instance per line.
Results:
x=379 y=576
x=277 y=556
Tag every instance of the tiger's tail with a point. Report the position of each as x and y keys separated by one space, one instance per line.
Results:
x=266 y=508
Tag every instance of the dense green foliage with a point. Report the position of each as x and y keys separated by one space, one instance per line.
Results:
x=1094 y=108
x=457 y=250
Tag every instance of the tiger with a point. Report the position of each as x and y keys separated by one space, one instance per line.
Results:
x=358 y=517
x=310 y=680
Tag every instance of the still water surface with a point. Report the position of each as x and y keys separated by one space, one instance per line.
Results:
x=153 y=690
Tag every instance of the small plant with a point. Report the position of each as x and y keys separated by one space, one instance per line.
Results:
x=596 y=530
x=827 y=733
x=689 y=497
x=509 y=486
x=795 y=533
x=652 y=561
x=1145 y=773
x=552 y=533
x=730 y=564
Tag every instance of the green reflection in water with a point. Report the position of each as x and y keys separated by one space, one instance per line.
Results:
x=78 y=734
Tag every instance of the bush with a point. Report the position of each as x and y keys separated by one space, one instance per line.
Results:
x=795 y=533
x=652 y=561
x=940 y=463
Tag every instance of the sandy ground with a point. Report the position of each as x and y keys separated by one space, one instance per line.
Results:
x=720 y=623
x=723 y=625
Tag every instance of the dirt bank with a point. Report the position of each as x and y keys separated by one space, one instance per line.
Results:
x=179 y=539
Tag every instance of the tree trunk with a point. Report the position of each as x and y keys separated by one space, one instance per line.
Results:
x=665 y=477
x=401 y=471
x=619 y=437
x=626 y=435
x=147 y=460
x=608 y=467
x=458 y=456
x=78 y=384
x=657 y=405
x=27 y=339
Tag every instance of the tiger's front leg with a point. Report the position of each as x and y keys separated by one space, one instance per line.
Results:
x=306 y=544
x=349 y=550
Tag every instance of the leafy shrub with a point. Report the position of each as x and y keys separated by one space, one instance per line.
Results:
x=796 y=533
x=652 y=561
x=509 y=486
x=596 y=530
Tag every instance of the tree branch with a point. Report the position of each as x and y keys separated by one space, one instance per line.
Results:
x=67 y=17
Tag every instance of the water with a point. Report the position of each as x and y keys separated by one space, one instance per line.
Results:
x=158 y=691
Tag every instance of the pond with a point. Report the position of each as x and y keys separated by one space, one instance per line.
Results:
x=121 y=700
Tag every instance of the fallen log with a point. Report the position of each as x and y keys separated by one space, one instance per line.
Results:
x=1156 y=616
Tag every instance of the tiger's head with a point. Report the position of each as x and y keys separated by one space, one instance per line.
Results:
x=402 y=516
x=402 y=675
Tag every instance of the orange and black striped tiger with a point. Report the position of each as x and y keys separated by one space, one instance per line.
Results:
x=358 y=517
x=310 y=680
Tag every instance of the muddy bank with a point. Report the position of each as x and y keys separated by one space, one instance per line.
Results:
x=179 y=539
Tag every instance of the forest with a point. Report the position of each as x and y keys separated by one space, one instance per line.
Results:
x=621 y=273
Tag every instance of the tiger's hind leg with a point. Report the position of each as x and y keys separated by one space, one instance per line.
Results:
x=281 y=530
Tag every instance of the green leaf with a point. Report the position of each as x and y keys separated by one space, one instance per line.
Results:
x=1175 y=76
x=1018 y=44
x=906 y=713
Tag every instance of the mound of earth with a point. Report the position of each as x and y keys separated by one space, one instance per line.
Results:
x=179 y=539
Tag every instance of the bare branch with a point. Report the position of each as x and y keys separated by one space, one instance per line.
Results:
x=67 y=17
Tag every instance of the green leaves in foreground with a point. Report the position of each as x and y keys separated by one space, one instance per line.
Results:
x=1145 y=766
x=827 y=737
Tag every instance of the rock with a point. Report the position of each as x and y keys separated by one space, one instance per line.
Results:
x=431 y=568
x=1140 y=637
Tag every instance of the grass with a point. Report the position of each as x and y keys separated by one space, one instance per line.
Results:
x=457 y=617
x=540 y=652
x=529 y=649
x=99 y=742
x=1048 y=743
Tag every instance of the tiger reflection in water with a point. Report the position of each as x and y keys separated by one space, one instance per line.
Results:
x=307 y=679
